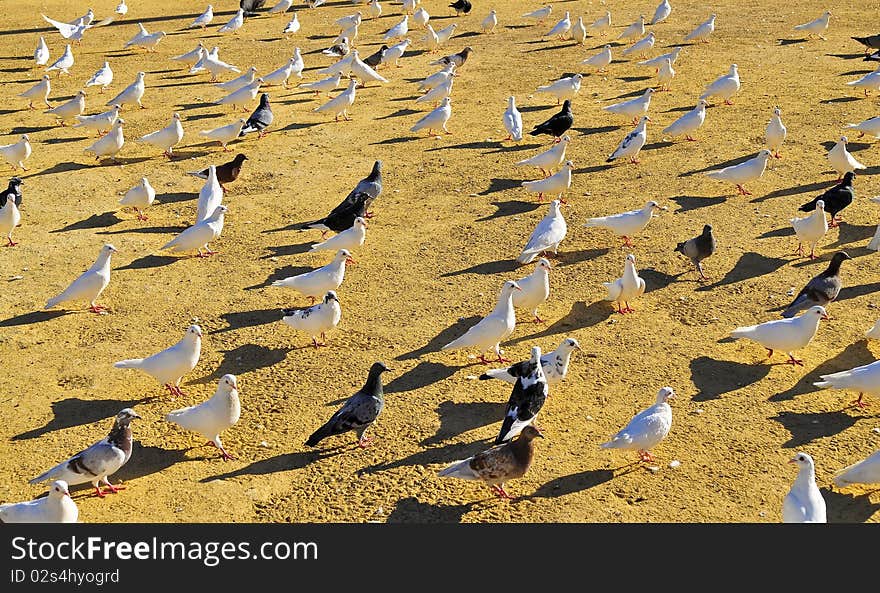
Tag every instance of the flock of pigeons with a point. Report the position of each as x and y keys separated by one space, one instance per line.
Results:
x=514 y=448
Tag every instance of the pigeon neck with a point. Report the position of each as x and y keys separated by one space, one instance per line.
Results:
x=505 y=303
x=833 y=267
x=523 y=450
x=102 y=262
x=120 y=436
x=806 y=477
x=373 y=386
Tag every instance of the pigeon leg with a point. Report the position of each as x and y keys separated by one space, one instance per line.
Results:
x=365 y=442
x=97 y=308
x=98 y=492
x=700 y=270
x=776 y=154
x=628 y=309
x=812 y=249
x=634 y=160
x=619 y=309
x=538 y=319
x=10 y=242
x=113 y=489
x=769 y=352
x=311 y=300
x=728 y=102
x=645 y=455
x=224 y=455
x=170 y=388
x=689 y=138
x=140 y=214
x=503 y=493
x=800 y=249
x=793 y=360
x=859 y=403
x=627 y=242
x=482 y=359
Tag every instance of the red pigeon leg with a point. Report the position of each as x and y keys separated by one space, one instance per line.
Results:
x=793 y=360
x=859 y=402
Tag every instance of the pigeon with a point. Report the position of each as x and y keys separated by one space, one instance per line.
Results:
x=458 y=59
x=774 y=136
x=632 y=143
x=339 y=50
x=70 y=109
x=658 y=61
x=204 y=55
x=461 y=7
x=870 y=42
x=216 y=67
x=540 y=14
x=203 y=20
x=646 y=429
x=554 y=364
x=109 y=145
x=534 y=289
x=374 y=59
x=724 y=86
x=558 y=124
x=602 y=24
x=445 y=34
x=871 y=127
x=243 y=96
x=699 y=248
x=226 y=173
x=90 y=284
x=139 y=197
x=317 y=319
x=191 y=57
x=635 y=30
x=395 y=52
x=346 y=40
x=280 y=75
x=564 y=88
x=547 y=236
x=210 y=196
x=260 y=119
x=103 y=77
x=438 y=93
x=811 y=229
x=142 y=32
x=841 y=159
x=804 y=503
x=578 y=31
x=17 y=153
x=225 y=134
x=560 y=30
x=238 y=82
x=513 y=121
x=835 y=199
x=437 y=78
x=627 y=287
x=600 y=60
x=398 y=31
x=627 y=224
x=292 y=26
x=167 y=137
x=642 y=46
x=375 y=9
x=102 y=122
x=358 y=413
x=816 y=27
x=321 y=280
x=664 y=9
x=41 y=54
x=340 y=103
x=420 y=17
x=349 y=21
x=74 y=30
x=57 y=507
x=489 y=23
x=39 y=91
x=149 y=42
x=342 y=217
x=665 y=74
x=500 y=464
x=324 y=85
x=634 y=108
x=99 y=461
x=131 y=94
x=492 y=329
x=744 y=172
x=199 y=235
x=874 y=332
x=820 y=290
x=688 y=123
x=363 y=72
x=864 y=379
x=527 y=398
x=349 y=239
x=281 y=7
x=371 y=186
x=9 y=219
x=213 y=416
x=250 y=7
x=63 y=63
x=436 y=119
x=703 y=30
x=554 y=184
x=787 y=335
x=234 y=23
x=169 y=366
x=866 y=471
x=12 y=191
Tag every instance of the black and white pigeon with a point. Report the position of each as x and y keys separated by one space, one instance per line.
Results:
x=527 y=398
x=836 y=199
x=339 y=50
x=260 y=119
x=358 y=413
x=870 y=42
x=355 y=204
x=458 y=59
x=375 y=59
x=699 y=248
x=821 y=290
x=557 y=125
x=13 y=191
x=99 y=461
x=461 y=6
x=554 y=364
x=251 y=6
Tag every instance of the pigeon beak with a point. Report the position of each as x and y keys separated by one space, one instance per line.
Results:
x=791 y=461
x=136 y=415
x=825 y=316
x=66 y=493
x=348 y=260
x=540 y=434
x=517 y=288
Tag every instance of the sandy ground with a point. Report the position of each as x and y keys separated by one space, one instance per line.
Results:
x=448 y=226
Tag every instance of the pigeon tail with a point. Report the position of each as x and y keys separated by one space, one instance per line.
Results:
x=131 y=363
x=460 y=469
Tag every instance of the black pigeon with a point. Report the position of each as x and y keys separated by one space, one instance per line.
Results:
x=557 y=125
x=226 y=173
x=260 y=119
x=458 y=59
x=836 y=199
x=355 y=204
x=699 y=248
x=358 y=413
x=251 y=6
x=870 y=42
x=527 y=399
x=461 y=6
x=375 y=59
x=821 y=290
x=13 y=191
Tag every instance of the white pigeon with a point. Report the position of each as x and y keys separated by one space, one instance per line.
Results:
x=804 y=503
x=489 y=23
x=213 y=416
x=10 y=216
x=841 y=160
x=243 y=96
x=17 y=153
x=665 y=74
x=216 y=66
x=103 y=77
x=865 y=379
x=395 y=52
x=317 y=319
x=348 y=21
x=564 y=88
x=340 y=104
x=167 y=137
x=139 y=197
x=199 y=66
x=109 y=145
x=866 y=471
x=74 y=30
x=554 y=184
x=744 y=172
x=646 y=429
x=281 y=7
x=204 y=19
x=602 y=24
x=635 y=30
x=491 y=330
x=811 y=229
x=549 y=159
x=239 y=81
x=409 y=6
x=627 y=224
x=444 y=34
x=321 y=280
x=343 y=66
x=199 y=235
x=375 y=9
x=280 y=75
x=626 y=288
x=724 y=86
x=349 y=239
x=868 y=82
x=438 y=93
x=540 y=14
x=547 y=236
x=225 y=134
x=634 y=108
x=210 y=195
x=702 y=31
x=438 y=77
x=39 y=91
x=786 y=335
x=534 y=289
x=362 y=71
x=871 y=127
x=632 y=143
x=41 y=54
x=142 y=32
x=688 y=123
x=775 y=133
x=554 y=364
x=90 y=284
x=578 y=31
x=325 y=85
x=71 y=108
x=121 y=8
x=234 y=23
x=658 y=61
x=292 y=26
x=513 y=121
x=560 y=29
x=63 y=63
x=191 y=57
x=57 y=507
x=436 y=119
x=397 y=31
x=131 y=94
x=339 y=48
x=816 y=26
x=101 y=122
x=600 y=60
x=149 y=42
x=298 y=64
x=664 y=9
x=874 y=332
x=170 y=365
x=642 y=46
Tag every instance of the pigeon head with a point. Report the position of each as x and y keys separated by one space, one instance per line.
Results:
x=59 y=489
x=25 y=137
x=570 y=344
x=707 y=229
x=703 y=103
x=820 y=204
x=124 y=417
x=578 y=77
x=264 y=98
x=664 y=394
x=555 y=205
x=645 y=119
x=239 y=159
x=108 y=248
x=344 y=255
x=569 y=164
x=844 y=139
x=228 y=382
x=176 y=116
x=194 y=330
x=652 y=205
x=764 y=153
x=802 y=460
x=631 y=258
x=360 y=222
x=816 y=311
x=840 y=256
x=543 y=264
x=141 y=75
x=510 y=286
x=15 y=182
x=777 y=111
x=566 y=105
x=848 y=177
x=45 y=77
x=330 y=296
x=378 y=368
x=536 y=354
x=219 y=211
x=529 y=433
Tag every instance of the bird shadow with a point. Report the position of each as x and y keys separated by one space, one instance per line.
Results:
x=398 y=140
x=242 y=319
x=280 y=274
x=410 y=510
x=785 y=231
x=283 y=250
x=551 y=47
x=845 y=56
x=299 y=126
x=568 y=258
x=444 y=454
x=149 y=261
x=466 y=145
x=29 y=129
x=155 y=230
x=498 y=184
x=444 y=337
x=593 y=169
x=32 y=317
x=850 y=233
x=62 y=140
x=840 y=100
x=65 y=167
x=794 y=190
x=510 y=208
x=656 y=280
x=848 y=508
x=750 y=265
x=531 y=108
x=636 y=93
x=279 y=463
x=149 y=460
x=854 y=355
x=95 y=221
x=459 y=418
x=245 y=359
x=511 y=148
x=806 y=427
x=791 y=41
x=400 y=113
x=657 y=145
x=423 y=374
x=687 y=203
x=579 y=316
x=851 y=292
x=713 y=378
x=572 y=483
x=74 y=411
x=491 y=267
x=597 y=130
x=855 y=72
x=679 y=109
x=633 y=78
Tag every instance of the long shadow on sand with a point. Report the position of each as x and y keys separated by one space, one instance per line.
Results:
x=458 y=418
x=809 y=426
x=854 y=355
x=74 y=411
x=411 y=510
x=490 y=267
x=32 y=317
x=444 y=337
x=244 y=359
x=423 y=374
x=579 y=317
x=750 y=265
x=279 y=463
x=848 y=508
x=713 y=378
x=510 y=208
x=444 y=454
x=243 y=319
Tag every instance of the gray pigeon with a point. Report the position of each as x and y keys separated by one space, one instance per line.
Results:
x=870 y=42
x=13 y=191
x=99 y=461
x=371 y=184
x=375 y=59
x=699 y=248
x=251 y=6
x=528 y=397
x=358 y=413
x=821 y=290
x=260 y=119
